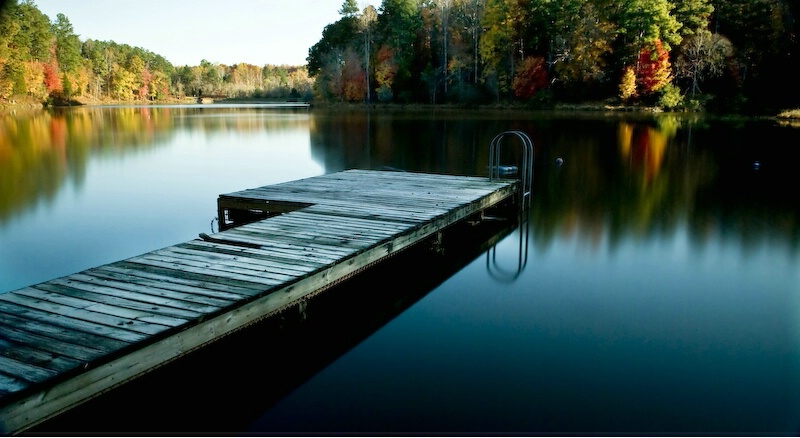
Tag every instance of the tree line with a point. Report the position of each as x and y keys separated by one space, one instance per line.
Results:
x=46 y=61
x=732 y=54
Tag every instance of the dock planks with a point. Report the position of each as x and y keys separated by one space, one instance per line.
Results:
x=67 y=340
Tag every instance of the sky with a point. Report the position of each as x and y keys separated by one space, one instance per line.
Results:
x=185 y=32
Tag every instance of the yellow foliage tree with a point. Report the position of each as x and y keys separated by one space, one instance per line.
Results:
x=627 y=86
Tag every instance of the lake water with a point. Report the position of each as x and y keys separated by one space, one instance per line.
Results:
x=654 y=288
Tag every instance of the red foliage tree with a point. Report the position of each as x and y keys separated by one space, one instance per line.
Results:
x=354 y=77
x=52 y=80
x=654 y=70
x=144 y=89
x=531 y=77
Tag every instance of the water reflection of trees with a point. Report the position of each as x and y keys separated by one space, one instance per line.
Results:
x=42 y=151
x=643 y=178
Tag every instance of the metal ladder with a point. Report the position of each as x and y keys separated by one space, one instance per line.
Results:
x=527 y=165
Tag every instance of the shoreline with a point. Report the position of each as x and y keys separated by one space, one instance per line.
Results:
x=790 y=116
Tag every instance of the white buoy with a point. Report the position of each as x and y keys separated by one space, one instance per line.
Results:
x=559 y=161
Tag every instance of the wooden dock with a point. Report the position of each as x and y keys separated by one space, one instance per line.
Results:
x=67 y=340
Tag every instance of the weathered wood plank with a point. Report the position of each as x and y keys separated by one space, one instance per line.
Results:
x=216 y=268
x=308 y=228
x=118 y=297
x=82 y=314
x=321 y=239
x=266 y=254
x=9 y=385
x=24 y=371
x=35 y=356
x=178 y=275
x=51 y=344
x=88 y=292
x=197 y=294
x=302 y=247
x=139 y=292
x=254 y=257
x=68 y=322
x=140 y=274
x=281 y=249
x=87 y=345
x=245 y=266
x=359 y=224
x=123 y=312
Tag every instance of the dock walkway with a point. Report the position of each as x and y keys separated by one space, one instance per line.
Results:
x=67 y=340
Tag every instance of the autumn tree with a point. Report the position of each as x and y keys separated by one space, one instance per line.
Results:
x=33 y=80
x=627 y=86
x=52 y=75
x=530 y=77
x=27 y=40
x=654 y=70
x=354 y=85
x=385 y=72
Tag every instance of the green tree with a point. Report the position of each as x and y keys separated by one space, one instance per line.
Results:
x=210 y=76
x=642 y=22
x=34 y=38
x=694 y=15
x=585 y=43
x=68 y=45
x=335 y=36
x=398 y=24
x=11 y=67
x=503 y=41
x=97 y=55
x=367 y=23
x=349 y=8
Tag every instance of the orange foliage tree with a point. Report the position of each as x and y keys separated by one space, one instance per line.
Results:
x=385 y=71
x=654 y=69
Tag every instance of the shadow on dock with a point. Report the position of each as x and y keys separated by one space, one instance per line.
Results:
x=226 y=386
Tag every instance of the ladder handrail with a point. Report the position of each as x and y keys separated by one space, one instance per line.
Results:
x=527 y=164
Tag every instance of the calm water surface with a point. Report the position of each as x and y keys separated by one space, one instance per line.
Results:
x=659 y=293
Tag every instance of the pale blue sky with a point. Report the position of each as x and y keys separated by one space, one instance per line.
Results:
x=226 y=31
